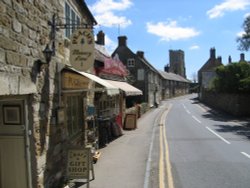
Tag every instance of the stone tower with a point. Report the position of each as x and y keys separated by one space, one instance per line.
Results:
x=177 y=63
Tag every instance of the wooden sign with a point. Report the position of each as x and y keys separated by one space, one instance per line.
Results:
x=74 y=81
x=78 y=164
x=130 y=121
x=82 y=49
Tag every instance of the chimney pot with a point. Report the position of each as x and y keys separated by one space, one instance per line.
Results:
x=242 y=57
x=212 y=53
x=122 y=40
x=101 y=38
x=140 y=54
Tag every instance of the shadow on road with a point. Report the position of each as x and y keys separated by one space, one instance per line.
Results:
x=241 y=127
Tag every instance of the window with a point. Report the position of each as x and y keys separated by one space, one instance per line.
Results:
x=72 y=20
x=131 y=62
x=74 y=114
x=140 y=74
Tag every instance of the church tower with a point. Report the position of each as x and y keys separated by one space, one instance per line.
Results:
x=177 y=63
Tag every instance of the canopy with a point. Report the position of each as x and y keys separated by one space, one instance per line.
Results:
x=111 y=89
x=127 y=88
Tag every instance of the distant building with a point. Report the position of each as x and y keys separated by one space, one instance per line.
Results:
x=177 y=62
x=207 y=71
x=142 y=74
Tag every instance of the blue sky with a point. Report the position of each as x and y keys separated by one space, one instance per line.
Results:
x=155 y=27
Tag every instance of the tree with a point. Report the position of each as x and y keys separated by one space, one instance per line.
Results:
x=244 y=40
x=233 y=78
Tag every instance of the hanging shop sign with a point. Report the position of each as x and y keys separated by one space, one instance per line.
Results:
x=74 y=81
x=82 y=49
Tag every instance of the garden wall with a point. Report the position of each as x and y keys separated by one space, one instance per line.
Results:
x=235 y=104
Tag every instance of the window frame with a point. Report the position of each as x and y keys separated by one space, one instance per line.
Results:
x=71 y=16
x=131 y=62
x=74 y=114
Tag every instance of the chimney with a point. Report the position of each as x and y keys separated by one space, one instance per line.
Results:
x=229 y=60
x=122 y=40
x=100 y=38
x=140 y=54
x=166 y=68
x=242 y=57
x=219 y=59
x=212 y=53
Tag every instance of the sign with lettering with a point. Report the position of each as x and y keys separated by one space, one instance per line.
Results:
x=74 y=81
x=82 y=50
x=78 y=164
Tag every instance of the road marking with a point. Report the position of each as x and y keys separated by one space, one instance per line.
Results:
x=148 y=166
x=164 y=147
x=247 y=155
x=184 y=106
x=188 y=111
x=195 y=118
x=223 y=139
x=161 y=163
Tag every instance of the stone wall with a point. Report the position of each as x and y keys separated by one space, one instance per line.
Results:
x=24 y=33
x=235 y=104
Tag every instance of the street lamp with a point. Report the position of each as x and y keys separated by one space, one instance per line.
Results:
x=47 y=52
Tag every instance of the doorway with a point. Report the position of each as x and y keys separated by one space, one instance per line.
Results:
x=13 y=155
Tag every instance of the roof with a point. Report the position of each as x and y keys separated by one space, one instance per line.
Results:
x=100 y=53
x=172 y=76
x=210 y=65
x=84 y=6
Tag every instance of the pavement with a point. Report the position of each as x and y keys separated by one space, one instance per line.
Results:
x=123 y=161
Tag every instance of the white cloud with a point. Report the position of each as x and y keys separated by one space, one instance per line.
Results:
x=168 y=31
x=246 y=15
x=194 y=47
x=110 y=44
x=228 y=5
x=109 y=19
x=104 y=12
x=240 y=34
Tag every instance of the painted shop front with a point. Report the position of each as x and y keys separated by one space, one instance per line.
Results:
x=80 y=91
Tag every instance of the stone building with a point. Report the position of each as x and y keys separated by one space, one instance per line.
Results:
x=173 y=85
x=207 y=71
x=37 y=109
x=142 y=74
x=177 y=62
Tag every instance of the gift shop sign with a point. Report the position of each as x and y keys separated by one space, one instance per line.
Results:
x=78 y=164
x=82 y=50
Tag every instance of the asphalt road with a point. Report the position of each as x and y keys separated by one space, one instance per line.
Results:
x=207 y=149
x=180 y=144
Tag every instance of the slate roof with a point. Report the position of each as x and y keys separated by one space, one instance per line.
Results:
x=172 y=76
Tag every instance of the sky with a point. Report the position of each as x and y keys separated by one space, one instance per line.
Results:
x=155 y=27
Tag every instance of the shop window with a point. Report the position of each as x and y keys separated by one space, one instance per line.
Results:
x=72 y=20
x=74 y=114
x=131 y=62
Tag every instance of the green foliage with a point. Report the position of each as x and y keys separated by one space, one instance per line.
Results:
x=244 y=40
x=233 y=78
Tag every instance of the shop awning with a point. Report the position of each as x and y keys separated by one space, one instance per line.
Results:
x=111 y=89
x=127 y=88
x=73 y=83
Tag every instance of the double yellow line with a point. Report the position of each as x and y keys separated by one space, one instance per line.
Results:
x=164 y=161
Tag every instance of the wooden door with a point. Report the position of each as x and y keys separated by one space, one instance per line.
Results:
x=13 y=168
